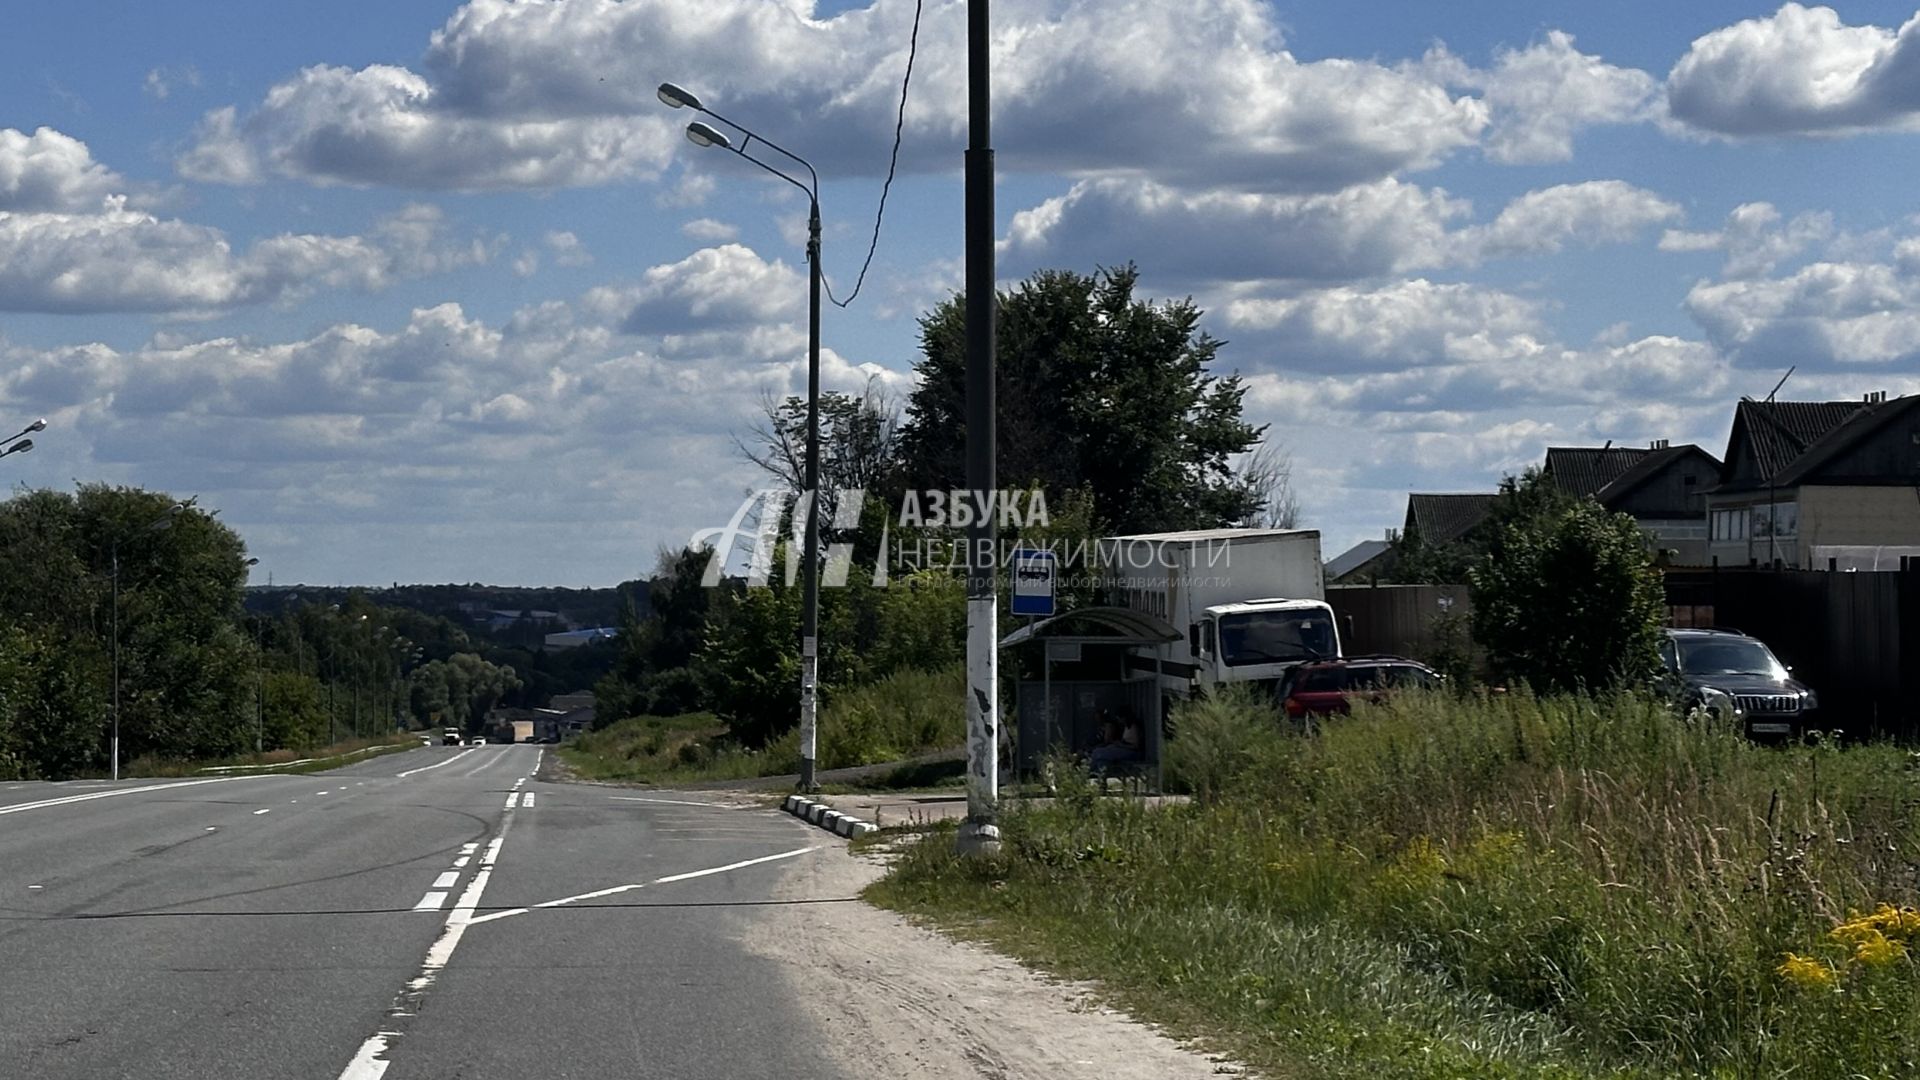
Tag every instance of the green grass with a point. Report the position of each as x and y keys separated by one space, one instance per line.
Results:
x=903 y=715
x=1446 y=888
x=320 y=759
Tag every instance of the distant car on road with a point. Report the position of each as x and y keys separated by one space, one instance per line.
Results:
x=1329 y=687
x=1770 y=702
x=476 y=741
x=451 y=737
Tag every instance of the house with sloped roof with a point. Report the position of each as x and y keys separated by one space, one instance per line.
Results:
x=1819 y=483
x=1437 y=519
x=1365 y=561
x=1663 y=487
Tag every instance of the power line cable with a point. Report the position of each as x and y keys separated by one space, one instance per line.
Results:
x=893 y=162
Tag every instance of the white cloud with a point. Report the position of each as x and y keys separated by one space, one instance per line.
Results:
x=1590 y=213
x=1379 y=228
x=1799 y=71
x=567 y=249
x=1822 y=314
x=120 y=259
x=517 y=95
x=1754 y=238
x=1540 y=96
x=1407 y=323
x=426 y=428
x=160 y=81
x=380 y=125
x=51 y=171
x=707 y=230
x=1383 y=228
x=726 y=287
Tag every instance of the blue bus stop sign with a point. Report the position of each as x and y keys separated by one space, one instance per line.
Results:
x=1033 y=573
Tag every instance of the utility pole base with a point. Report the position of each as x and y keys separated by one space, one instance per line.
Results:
x=977 y=838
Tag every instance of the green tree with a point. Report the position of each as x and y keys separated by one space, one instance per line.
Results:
x=295 y=711
x=1097 y=389
x=1567 y=596
x=462 y=688
x=186 y=672
x=652 y=673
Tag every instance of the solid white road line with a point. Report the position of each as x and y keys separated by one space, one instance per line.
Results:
x=478 y=919
x=432 y=901
x=512 y=801
x=735 y=866
x=509 y=912
x=92 y=795
x=435 y=765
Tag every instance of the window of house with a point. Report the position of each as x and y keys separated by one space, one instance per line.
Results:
x=1730 y=524
x=1780 y=520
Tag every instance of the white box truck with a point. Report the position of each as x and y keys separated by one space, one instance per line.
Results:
x=1251 y=603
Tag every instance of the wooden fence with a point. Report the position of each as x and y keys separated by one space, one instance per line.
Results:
x=1399 y=620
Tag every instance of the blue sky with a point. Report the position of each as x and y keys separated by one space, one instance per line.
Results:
x=426 y=291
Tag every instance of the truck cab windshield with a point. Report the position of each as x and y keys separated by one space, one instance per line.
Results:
x=1267 y=637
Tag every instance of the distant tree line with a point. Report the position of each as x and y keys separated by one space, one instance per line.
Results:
x=198 y=676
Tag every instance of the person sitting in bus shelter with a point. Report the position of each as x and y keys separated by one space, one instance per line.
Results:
x=1119 y=746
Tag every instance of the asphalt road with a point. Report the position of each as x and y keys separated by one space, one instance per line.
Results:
x=437 y=913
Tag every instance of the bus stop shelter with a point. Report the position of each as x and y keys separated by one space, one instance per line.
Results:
x=1081 y=660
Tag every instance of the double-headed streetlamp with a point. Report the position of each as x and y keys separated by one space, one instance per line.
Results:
x=160 y=524
x=704 y=134
x=18 y=443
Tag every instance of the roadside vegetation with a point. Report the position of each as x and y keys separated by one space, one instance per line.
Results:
x=902 y=715
x=317 y=759
x=1472 y=885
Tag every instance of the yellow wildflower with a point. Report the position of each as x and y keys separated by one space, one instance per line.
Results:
x=1897 y=924
x=1874 y=949
x=1806 y=972
x=1417 y=867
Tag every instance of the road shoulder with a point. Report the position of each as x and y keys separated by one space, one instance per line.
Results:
x=893 y=999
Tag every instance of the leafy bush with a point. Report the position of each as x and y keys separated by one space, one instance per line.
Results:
x=1223 y=736
x=1568 y=598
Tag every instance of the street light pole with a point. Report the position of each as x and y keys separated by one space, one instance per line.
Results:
x=979 y=834
x=702 y=134
x=810 y=590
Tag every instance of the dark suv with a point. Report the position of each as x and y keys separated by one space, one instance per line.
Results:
x=1327 y=687
x=1772 y=703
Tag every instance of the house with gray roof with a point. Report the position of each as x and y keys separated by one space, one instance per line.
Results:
x=1663 y=487
x=1437 y=519
x=1819 y=483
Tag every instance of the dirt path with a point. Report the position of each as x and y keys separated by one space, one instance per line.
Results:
x=896 y=1000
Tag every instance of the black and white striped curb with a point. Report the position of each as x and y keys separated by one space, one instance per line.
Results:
x=827 y=817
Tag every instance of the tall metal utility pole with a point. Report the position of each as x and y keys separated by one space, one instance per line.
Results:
x=979 y=834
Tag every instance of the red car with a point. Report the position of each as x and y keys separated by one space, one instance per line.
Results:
x=1328 y=687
